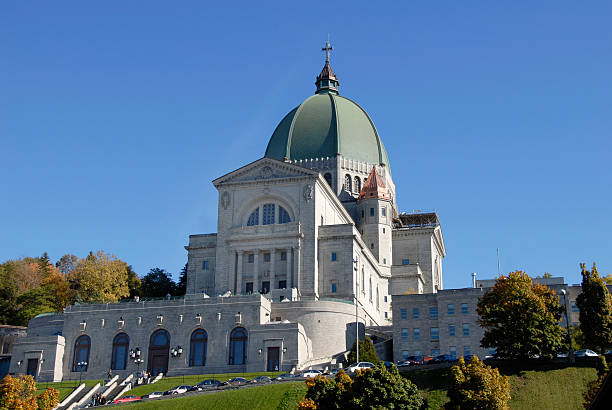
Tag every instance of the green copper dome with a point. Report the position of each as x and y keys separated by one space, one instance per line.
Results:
x=327 y=124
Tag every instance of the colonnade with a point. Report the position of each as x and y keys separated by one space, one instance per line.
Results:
x=239 y=259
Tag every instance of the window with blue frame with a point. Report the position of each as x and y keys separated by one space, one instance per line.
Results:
x=267 y=257
x=452 y=350
x=283 y=215
x=205 y=265
x=405 y=261
x=451 y=330
x=575 y=308
x=404 y=334
x=250 y=258
x=451 y=309
x=466 y=329
x=197 y=348
x=433 y=313
x=434 y=333
x=333 y=256
x=403 y=314
x=416 y=333
x=268 y=214
x=464 y=308
x=238 y=346
x=334 y=287
x=415 y=313
x=467 y=351
x=283 y=256
x=253 y=218
x=371 y=211
x=120 y=351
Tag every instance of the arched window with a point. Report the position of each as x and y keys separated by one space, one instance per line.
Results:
x=160 y=338
x=80 y=360
x=197 y=350
x=283 y=215
x=268 y=214
x=238 y=346
x=347 y=183
x=357 y=184
x=328 y=179
x=120 y=351
x=254 y=218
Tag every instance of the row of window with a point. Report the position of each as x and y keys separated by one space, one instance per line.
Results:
x=434 y=332
x=268 y=216
x=433 y=311
x=452 y=350
x=265 y=286
x=266 y=257
x=348 y=185
x=160 y=342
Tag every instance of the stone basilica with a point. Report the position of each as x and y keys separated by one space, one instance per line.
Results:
x=306 y=235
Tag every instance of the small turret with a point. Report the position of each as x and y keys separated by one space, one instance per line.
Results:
x=327 y=82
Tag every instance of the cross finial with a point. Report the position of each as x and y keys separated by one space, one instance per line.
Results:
x=327 y=49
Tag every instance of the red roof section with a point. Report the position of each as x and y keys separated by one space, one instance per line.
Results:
x=374 y=187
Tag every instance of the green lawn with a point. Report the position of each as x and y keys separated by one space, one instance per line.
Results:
x=282 y=396
x=167 y=383
x=65 y=388
x=554 y=386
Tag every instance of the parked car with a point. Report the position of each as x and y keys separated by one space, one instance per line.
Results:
x=427 y=359
x=411 y=361
x=585 y=353
x=153 y=395
x=443 y=358
x=360 y=366
x=206 y=384
x=236 y=381
x=284 y=376
x=179 y=390
x=261 y=379
x=127 y=399
x=311 y=373
x=333 y=372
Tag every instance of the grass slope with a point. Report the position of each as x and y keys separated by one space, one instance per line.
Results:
x=283 y=396
x=65 y=388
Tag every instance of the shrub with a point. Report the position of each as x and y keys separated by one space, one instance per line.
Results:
x=19 y=393
x=478 y=386
x=367 y=352
x=370 y=389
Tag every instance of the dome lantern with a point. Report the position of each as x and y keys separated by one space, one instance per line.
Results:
x=327 y=82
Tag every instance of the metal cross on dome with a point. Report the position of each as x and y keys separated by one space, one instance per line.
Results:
x=327 y=49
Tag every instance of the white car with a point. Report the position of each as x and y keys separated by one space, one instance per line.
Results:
x=179 y=390
x=154 y=395
x=585 y=353
x=360 y=366
x=311 y=373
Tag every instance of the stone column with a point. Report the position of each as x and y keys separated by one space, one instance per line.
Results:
x=239 y=273
x=289 y=268
x=231 y=278
x=272 y=267
x=256 y=287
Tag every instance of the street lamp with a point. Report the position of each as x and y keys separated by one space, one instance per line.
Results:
x=356 y=269
x=177 y=351
x=80 y=366
x=570 y=355
x=135 y=355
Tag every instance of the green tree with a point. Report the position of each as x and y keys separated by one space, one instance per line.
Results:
x=369 y=389
x=157 y=283
x=595 y=309
x=8 y=297
x=134 y=282
x=520 y=319
x=67 y=263
x=478 y=386
x=181 y=286
x=100 y=277
x=367 y=352
x=34 y=302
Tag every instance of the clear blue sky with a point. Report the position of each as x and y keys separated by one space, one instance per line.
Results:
x=115 y=116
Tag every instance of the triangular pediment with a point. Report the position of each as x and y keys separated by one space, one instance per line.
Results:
x=265 y=169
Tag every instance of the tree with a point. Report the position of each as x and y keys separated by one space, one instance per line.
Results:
x=367 y=352
x=595 y=309
x=378 y=388
x=67 y=263
x=157 y=283
x=478 y=386
x=133 y=282
x=608 y=279
x=181 y=286
x=19 y=393
x=520 y=319
x=100 y=277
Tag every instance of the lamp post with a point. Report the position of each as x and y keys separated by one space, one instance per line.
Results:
x=80 y=366
x=356 y=269
x=570 y=354
x=135 y=355
x=282 y=357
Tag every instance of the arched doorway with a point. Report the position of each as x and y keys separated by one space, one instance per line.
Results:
x=159 y=351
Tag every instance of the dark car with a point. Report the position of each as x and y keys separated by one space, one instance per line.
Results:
x=206 y=384
x=236 y=381
x=443 y=358
x=284 y=376
x=261 y=379
x=468 y=357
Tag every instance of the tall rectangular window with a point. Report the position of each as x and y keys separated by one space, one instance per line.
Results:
x=250 y=258
x=265 y=287
x=384 y=211
x=403 y=314
x=466 y=329
x=404 y=334
x=464 y=308
x=371 y=211
x=416 y=333
x=453 y=351
x=282 y=284
x=433 y=313
x=575 y=308
x=205 y=265
x=415 y=313
x=451 y=309
x=283 y=256
x=249 y=287
x=334 y=256
x=434 y=333
x=334 y=287
x=268 y=214
x=266 y=257
x=467 y=351
x=451 y=330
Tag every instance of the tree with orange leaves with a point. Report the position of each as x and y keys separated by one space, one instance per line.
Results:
x=19 y=393
x=521 y=320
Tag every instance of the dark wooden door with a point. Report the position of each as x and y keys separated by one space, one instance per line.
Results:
x=32 y=368
x=158 y=363
x=273 y=359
